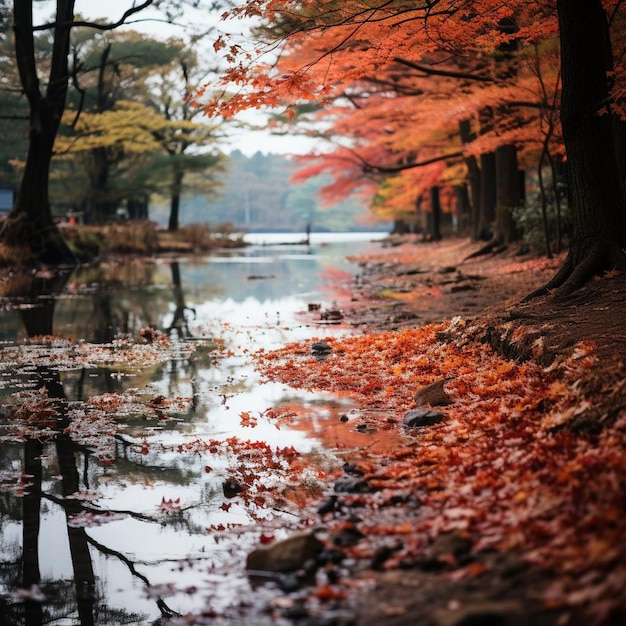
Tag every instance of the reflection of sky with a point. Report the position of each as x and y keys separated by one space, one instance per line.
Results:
x=246 y=314
x=270 y=273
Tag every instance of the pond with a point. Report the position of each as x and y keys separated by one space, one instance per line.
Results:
x=138 y=447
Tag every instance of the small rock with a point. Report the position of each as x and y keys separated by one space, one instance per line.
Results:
x=382 y=554
x=348 y=536
x=331 y=315
x=416 y=418
x=319 y=348
x=288 y=555
x=350 y=485
x=353 y=468
x=328 y=506
x=231 y=488
x=464 y=287
x=446 y=547
x=433 y=394
x=364 y=428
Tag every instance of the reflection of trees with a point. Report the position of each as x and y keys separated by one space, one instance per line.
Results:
x=179 y=320
x=32 y=612
x=71 y=393
x=79 y=541
x=180 y=325
x=31 y=504
x=161 y=604
x=36 y=295
x=113 y=300
x=84 y=578
x=113 y=316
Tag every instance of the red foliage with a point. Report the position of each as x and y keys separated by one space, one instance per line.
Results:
x=500 y=468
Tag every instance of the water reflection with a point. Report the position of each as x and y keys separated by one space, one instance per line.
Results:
x=112 y=501
x=47 y=431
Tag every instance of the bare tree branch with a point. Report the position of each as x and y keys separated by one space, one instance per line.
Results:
x=111 y=26
x=393 y=169
x=448 y=73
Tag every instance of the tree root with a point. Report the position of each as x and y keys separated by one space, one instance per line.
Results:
x=36 y=245
x=573 y=274
x=494 y=246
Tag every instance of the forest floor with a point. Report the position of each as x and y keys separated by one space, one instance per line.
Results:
x=506 y=504
x=490 y=288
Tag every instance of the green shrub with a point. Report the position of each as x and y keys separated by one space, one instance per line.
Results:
x=529 y=221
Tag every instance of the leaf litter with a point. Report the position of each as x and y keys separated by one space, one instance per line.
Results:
x=530 y=459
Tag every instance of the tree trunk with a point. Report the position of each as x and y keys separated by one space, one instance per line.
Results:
x=177 y=186
x=487 y=209
x=29 y=224
x=508 y=193
x=400 y=227
x=434 y=217
x=137 y=208
x=463 y=208
x=473 y=175
x=102 y=209
x=595 y=194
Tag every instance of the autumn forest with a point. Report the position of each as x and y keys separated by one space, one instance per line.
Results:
x=425 y=428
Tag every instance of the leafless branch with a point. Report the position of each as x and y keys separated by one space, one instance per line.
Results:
x=448 y=73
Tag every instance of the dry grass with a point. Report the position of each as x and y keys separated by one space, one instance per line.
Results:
x=15 y=256
x=145 y=238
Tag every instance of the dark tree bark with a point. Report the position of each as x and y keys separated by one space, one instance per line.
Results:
x=508 y=193
x=177 y=187
x=595 y=194
x=67 y=449
x=487 y=209
x=400 y=227
x=30 y=224
x=473 y=175
x=434 y=217
x=483 y=227
x=101 y=210
x=463 y=207
x=137 y=208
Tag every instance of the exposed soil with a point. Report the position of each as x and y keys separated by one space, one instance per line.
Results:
x=410 y=283
x=414 y=283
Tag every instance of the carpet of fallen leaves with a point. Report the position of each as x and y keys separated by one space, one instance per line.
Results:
x=506 y=469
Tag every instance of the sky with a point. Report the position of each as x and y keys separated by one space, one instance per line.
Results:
x=148 y=21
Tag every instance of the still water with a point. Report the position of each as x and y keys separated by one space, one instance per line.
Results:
x=114 y=501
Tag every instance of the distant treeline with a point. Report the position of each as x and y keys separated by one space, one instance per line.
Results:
x=254 y=195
